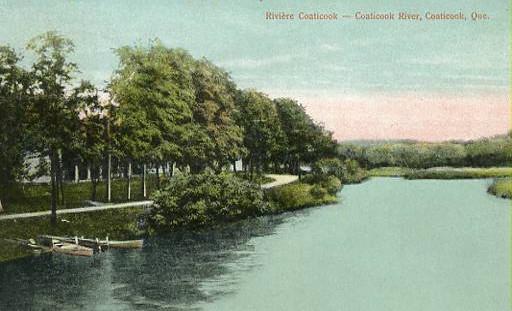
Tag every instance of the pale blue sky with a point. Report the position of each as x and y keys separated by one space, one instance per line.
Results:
x=332 y=67
x=348 y=55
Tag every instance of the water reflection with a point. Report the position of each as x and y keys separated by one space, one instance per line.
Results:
x=170 y=273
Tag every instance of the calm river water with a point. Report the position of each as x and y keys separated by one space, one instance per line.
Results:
x=390 y=244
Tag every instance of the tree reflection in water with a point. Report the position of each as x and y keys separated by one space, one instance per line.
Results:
x=171 y=272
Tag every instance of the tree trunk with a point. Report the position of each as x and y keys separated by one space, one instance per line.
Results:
x=158 y=176
x=109 y=177
x=94 y=183
x=77 y=174
x=298 y=168
x=144 y=181
x=129 y=175
x=53 y=182
x=109 y=164
x=251 y=168
x=234 y=166
x=171 y=172
x=60 y=183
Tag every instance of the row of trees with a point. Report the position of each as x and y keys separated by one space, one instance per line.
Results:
x=487 y=152
x=161 y=108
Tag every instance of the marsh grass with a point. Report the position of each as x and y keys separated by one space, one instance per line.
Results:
x=389 y=171
x=459 y=173
x=300 y=195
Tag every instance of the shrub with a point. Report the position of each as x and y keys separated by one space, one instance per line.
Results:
x=318 y=191
x=298 y=195
x=348 y=172
x=501 y=188
x=331 y=184
x=198 y=200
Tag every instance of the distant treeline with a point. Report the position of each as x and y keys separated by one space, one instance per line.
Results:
x=485 y=152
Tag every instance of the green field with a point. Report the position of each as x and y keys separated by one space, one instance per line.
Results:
x=23 y=198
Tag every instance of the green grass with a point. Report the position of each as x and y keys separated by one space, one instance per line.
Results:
x=36 y=197
x=389 y=171
x=501 y=188
x=459 y=173
x=256 y=178
x=116 y=224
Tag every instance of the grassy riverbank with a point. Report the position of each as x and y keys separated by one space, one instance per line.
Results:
x=25 y=198
x=442 y=172
x=116 y=224
x=459 y=173
x=123 y=223
x=301 y=195
x=501 y=188
x=389 y=171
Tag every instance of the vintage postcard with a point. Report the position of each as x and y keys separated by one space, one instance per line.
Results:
x=255 y=155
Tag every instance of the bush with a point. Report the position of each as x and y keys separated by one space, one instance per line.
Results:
x=349 y=171
x=198 y=200
x=331 y=184
x=299 y=195
x=501 y=188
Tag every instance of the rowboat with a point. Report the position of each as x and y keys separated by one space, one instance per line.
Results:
x=72 y=249
x=98 y=244
x=125 y=244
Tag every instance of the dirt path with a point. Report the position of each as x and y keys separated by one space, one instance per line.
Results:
x=279 y=180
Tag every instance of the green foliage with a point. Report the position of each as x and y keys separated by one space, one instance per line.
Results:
x=263 y=134
x=496 y=151
x=347 y=171
x=304 y=140
x=55 y=116
x=14 y=143
x=490 y=152
x=202 y=199
x=388 y=171
x=501 y=188
x=220 y=138
x=154 y=93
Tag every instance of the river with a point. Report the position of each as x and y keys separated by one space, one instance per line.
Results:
x=389 y=244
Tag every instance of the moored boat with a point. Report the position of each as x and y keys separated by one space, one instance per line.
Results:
x=98 y=244
x=72 y=249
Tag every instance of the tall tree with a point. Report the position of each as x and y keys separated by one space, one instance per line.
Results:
x=215 y=140
x=260 y=121
x=92 y=141
x=153 y=91
x=14 y=91
x=54 y=115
